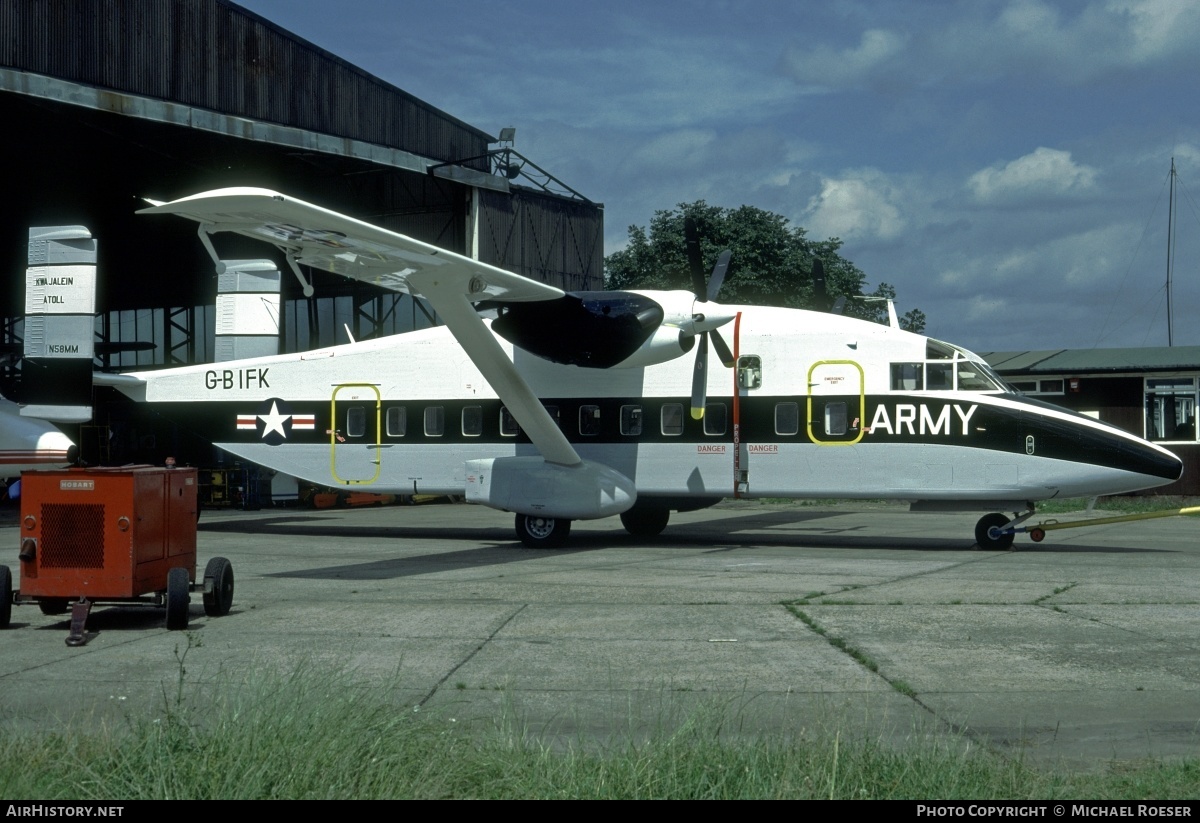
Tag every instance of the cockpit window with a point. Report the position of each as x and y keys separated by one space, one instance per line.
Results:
x=937 y=350
x=946 y=368
x=907 y=377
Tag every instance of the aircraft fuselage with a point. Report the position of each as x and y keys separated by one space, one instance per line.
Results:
x=818 y=406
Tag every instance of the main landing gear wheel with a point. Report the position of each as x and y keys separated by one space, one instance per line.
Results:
x=178 y=586
x=542 y=532
x=218 y=601
x=647 y=522
x=988 y=534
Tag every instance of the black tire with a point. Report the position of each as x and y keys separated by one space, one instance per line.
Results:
x=54 y=605
x=542 y=532
x=218 y=601
x=178 y=598
x=983 y=532
x=6 y=597
x=645 y=522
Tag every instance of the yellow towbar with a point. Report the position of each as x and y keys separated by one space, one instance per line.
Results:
x=1038 y=533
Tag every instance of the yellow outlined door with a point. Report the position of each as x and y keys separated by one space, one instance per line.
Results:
x=836 y=402
x=355 y=446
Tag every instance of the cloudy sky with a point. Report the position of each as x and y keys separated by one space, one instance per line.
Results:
x=1003 y=163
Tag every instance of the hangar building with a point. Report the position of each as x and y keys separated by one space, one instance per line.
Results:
x=106 y=102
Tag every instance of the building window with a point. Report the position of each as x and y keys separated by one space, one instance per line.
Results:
x=1171 y=409
x=1052 y=386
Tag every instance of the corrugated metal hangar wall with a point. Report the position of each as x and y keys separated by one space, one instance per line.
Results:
x=105 y=102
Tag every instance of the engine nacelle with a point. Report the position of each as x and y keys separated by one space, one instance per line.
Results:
x=667 y=343
x=530 y=485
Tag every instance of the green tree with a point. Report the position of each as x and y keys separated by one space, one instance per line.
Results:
x=772 y=262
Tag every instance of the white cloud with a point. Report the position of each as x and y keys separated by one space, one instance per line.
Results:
x=825 y=66
x=1044 y=174
x=964 y=44
x=860 y=207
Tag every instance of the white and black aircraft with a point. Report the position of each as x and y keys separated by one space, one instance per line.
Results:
x=584 y=405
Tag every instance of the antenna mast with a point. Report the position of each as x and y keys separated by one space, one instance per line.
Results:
x=1170 y=251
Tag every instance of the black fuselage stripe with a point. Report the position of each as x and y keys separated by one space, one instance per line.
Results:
x=1020 y=428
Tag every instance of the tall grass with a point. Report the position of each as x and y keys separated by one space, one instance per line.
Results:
x=309 y=734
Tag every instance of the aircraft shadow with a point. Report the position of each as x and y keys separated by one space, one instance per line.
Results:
x=713 y=536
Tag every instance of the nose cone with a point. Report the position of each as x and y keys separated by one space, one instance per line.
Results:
x=53 y=448
x=1153 y=460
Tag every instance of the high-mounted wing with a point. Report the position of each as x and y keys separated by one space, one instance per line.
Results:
x=326 y=240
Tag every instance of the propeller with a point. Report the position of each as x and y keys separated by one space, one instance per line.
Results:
x=820 y=294
x=705 y=292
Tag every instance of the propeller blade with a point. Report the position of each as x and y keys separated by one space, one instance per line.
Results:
x=723 y=351
x=695 y=261
x=839 y=305
x=718 y=274
x=820 y=295
x=700 y=379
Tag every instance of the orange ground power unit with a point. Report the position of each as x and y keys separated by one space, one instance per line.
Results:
x=115 y=535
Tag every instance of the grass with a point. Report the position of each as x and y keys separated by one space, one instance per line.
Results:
x=1125 y=504
x=318 y=734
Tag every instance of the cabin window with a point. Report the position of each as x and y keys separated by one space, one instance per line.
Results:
x=589 y=420
x=749 y=371
x=554 y=415
x=1171 y=409
x=672 y=418
x=508 y=423
x=787 y=418
x=472 y=421
x=907 y=377
x=356 y=421
x=835 y=419
x=715 y=418
x=435 y=421
x=631 y=421
x=397 y=421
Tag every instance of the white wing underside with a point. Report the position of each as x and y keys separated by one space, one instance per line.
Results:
x=326 y=240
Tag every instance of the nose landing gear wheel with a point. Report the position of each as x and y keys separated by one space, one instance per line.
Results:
x=542 y=532
x=988 y=534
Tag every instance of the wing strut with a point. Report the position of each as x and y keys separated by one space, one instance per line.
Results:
x=480 y=345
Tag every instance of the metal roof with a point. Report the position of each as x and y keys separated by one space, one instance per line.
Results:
x=1095 y=361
